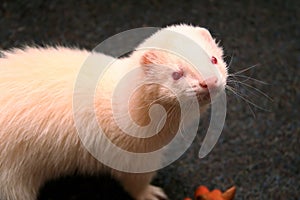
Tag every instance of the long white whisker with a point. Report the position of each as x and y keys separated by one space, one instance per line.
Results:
x=246 y=100
x=172 y=113
x=230 y=62
x=244 y=70
x=239 y=95
x=235 y=81
x=156 y=100
x=247 y=78
x=256 y=89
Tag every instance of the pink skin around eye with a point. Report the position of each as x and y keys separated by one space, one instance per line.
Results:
x=177 y=75
x=214 y=60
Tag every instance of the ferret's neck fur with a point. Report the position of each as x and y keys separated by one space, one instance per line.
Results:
x=137 y=108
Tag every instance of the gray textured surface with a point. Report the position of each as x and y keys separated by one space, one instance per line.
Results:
x=259 y=153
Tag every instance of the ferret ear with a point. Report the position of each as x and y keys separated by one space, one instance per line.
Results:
x=205 y=34
x=150 y=57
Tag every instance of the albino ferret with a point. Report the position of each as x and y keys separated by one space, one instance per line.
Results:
x=38 y=137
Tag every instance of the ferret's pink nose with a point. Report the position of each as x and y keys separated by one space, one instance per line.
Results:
x=210 y=82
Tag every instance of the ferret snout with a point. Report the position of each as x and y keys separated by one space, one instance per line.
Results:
x=206 y=89
x=209 y=83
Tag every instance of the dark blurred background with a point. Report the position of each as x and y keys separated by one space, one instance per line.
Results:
x=259 y=148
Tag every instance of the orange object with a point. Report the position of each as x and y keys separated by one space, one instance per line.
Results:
x=229 y=194
x=203 y=193
x=201 y=190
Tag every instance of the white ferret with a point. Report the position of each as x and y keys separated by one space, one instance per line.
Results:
x=38 y=137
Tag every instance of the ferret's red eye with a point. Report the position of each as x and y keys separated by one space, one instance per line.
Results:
x=177 y=75
x=214 y=60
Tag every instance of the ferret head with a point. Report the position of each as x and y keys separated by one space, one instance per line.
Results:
x=176 y=76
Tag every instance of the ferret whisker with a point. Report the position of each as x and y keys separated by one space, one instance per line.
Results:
x=230 y=88
x=233 y=80
x=246 y=69
x=237 y=94
x=156 y=101
x=230 y=62
x=172 y=114
x=182 y=129
x=245 y=99
x=247 y=78
x=254 y=88
x=153 y=101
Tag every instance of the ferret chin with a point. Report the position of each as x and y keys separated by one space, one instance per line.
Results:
x=38 y=137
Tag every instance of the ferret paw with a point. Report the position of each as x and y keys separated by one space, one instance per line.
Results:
x=152 y=193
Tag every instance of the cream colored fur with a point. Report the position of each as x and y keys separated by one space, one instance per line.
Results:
x=38 y=138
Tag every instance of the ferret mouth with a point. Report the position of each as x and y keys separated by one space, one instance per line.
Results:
x=203 y=98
